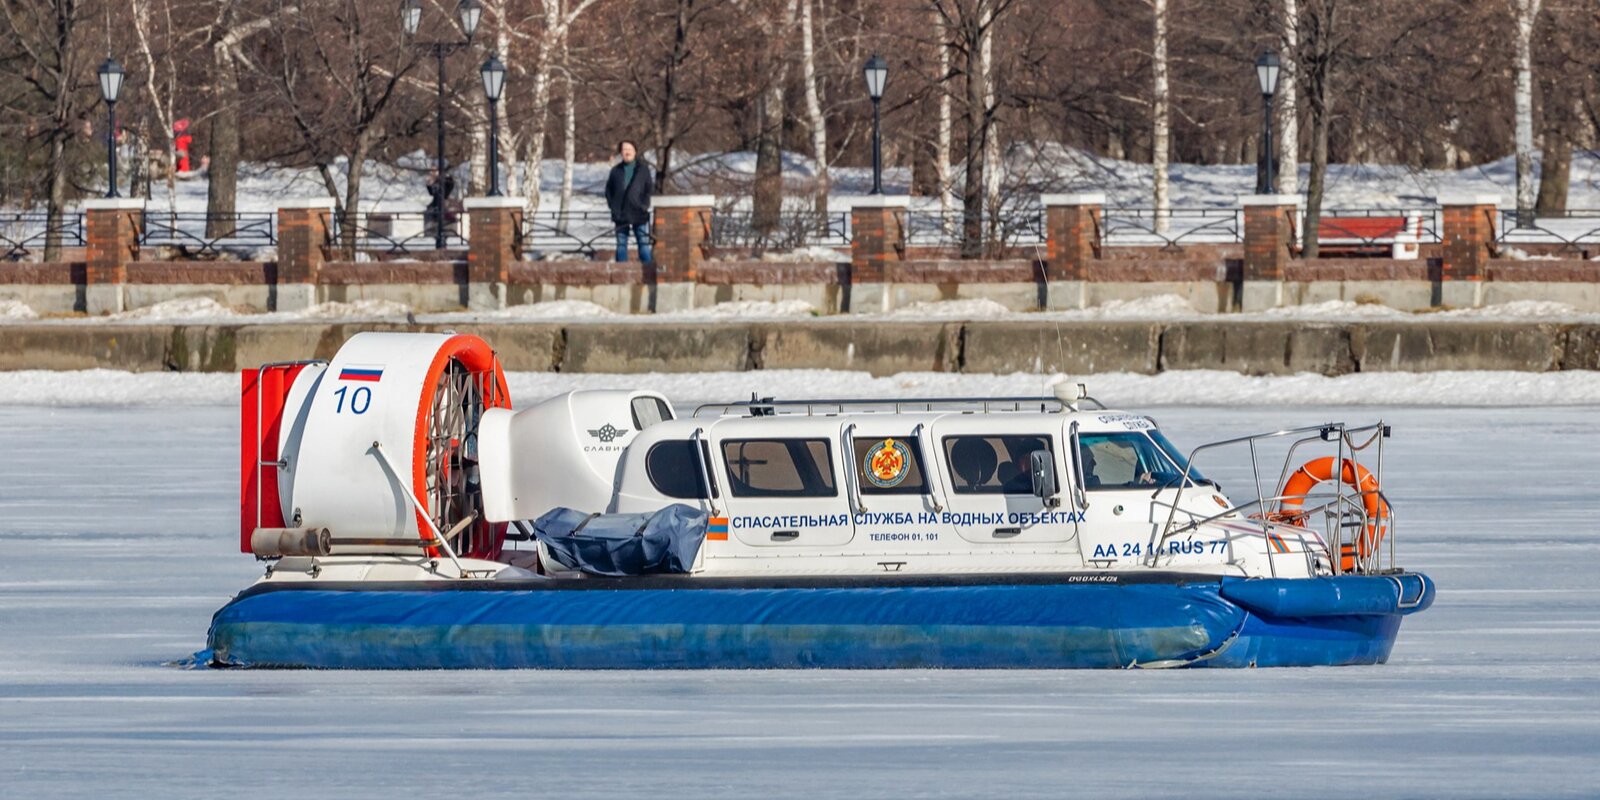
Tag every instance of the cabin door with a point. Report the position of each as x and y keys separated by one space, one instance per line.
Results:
x=1120 y=476
x=893 y=498
x=782 y=491
x=985 y=467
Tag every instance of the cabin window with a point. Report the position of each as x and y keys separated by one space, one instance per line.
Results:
x=996 y=464
x=648 y=411
x=889 y=465
x=675 y=469
x=779 y=467
x=1125 y=461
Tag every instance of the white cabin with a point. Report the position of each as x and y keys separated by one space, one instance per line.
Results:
x=870 y=487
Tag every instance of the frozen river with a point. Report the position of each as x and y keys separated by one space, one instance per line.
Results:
x=118 y=540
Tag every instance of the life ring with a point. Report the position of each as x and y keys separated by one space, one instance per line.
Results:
x=1320 y=470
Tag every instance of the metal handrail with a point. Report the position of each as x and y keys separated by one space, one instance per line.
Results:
x=1333 y=431
x=899 y=406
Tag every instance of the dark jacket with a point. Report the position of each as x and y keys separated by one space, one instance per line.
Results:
x=630 y=204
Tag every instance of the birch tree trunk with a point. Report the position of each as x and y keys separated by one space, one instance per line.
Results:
x=814 y=118
x=1525 y=12
x=1287 y=179
x=993 y=164
x=1160 y=124
x=160 y=92
x=538 y=117
x=569 y=130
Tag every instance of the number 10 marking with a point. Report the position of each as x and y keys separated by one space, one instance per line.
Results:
x=360 y=399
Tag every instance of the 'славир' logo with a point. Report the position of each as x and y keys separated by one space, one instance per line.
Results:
x=886 y=464
x=607 y=432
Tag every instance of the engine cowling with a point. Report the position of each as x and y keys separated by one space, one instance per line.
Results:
x=393 y=416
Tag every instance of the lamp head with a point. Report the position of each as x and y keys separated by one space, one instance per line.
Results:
x=876 y=72
x=1267 y=67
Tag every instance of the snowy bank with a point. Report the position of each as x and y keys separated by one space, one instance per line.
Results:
x=1185 y=388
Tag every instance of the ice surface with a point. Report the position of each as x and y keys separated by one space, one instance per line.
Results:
x=118 y=540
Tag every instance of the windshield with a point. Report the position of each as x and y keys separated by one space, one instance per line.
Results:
x=1129 y=460
x=1177 y=456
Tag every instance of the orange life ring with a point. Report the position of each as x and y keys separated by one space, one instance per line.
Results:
x=1320 y=470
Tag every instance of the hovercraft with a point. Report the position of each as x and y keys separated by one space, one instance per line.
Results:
x=410 y=518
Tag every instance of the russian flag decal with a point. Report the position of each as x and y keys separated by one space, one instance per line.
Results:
x=369 y=375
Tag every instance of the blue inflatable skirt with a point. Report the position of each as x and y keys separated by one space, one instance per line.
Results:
x=1097 y=620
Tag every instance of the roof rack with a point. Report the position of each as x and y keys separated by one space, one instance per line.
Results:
x=987 y=405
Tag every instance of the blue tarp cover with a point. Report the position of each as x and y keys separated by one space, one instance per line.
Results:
x=617 y=545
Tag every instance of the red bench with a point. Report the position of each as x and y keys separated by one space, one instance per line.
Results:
x=1396 y=236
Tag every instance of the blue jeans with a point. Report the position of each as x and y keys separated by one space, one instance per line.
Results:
x=641 y=234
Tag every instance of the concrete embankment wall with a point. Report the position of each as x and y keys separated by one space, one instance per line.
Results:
x=878 y=347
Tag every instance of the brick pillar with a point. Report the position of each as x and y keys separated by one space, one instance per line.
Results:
x=494 y=243
x=111 y=231
x=877 y=238
x=682 y=230
x=1468 y=228
x=1270 y=221
x=305 y=231
x=682 y=227
x=1072 y=234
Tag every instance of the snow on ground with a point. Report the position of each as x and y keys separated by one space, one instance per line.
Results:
x=1047 y=166
x=1517 y=309
x=162 y=389
x=745 y=309
x=552 y=309
x=805 y=254
x=16 y=310
x=979 y=308
x=1335 y=309
x=118 y=529
x=186 y=309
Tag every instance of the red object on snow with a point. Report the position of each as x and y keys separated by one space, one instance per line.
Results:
x=181 y=142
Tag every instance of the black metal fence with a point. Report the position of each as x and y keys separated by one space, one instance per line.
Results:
x=1569 y=229
x=1169 y=228
x=395 y=232
x=791 y=229
x=24 y=234
x=552 y=233
x=1016 y=227
x=204 y=234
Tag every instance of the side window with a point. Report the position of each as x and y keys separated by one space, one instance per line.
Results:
x=675 y=469
x=648 y=411
x=992 y=464
x=779 y=467
x=889 y=465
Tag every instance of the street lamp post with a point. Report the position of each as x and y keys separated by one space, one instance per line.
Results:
x=468 y=12
x=494 y=82
x=877 y=73
x=111 y=74
x=1267 y=67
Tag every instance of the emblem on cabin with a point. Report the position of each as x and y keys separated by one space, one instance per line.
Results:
x=886 y=463
x=607 y=432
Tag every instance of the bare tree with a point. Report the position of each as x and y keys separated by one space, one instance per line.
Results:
x=1287 y=177
x=814 y=118
x=1161 y=127
x=43 y=54
x=1524 y=13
